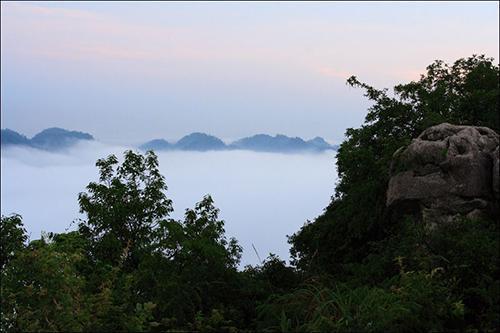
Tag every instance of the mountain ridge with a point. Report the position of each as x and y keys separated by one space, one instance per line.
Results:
x=53 y=138
x=56 y=138
x=260 y=142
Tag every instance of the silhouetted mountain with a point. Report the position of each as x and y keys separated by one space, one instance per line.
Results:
x=48 y=139
x=57 y=138
x=259 y=142
x=280 y=143
x=200 y=142
x=157 y=144
x=320 y=143
x=10 y=137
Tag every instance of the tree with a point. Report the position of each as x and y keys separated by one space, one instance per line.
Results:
x=141 y=257
x=12 y=238
x=204 y=240
x=356 y=243
x=42 y=290
x=199 y=274
x=126 y=209
x=466 y=92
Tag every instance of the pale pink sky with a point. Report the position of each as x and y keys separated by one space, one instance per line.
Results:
x=136 y=71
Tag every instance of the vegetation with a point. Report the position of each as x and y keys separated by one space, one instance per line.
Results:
x=465 y=93
x=130 y=267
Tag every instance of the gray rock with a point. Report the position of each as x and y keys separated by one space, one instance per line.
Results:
x=447 y=172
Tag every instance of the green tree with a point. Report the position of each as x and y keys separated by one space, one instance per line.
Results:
x=466 y=92
x=180 y=268
x=204 y=241
x=200 y=271
x=126 y=210
x=356 y=243
x=12 y=238
x=42 y=290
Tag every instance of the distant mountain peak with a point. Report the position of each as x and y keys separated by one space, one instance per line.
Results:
x=280 y=143
x=10 y=137
x=318 y=139
x=56 y=138
x=57 y=131
x=156 y=144
x=53 y=138
x=200 y=142
x=320 y=143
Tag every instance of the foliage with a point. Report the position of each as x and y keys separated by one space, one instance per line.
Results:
x=125 y=209
x=416 y=302
x=204 y=240
x=12 y=238
x=130 y=267
x=358 y=246
x=470 y=251
x=466 y=92
x=41 y=290
x=203 y=264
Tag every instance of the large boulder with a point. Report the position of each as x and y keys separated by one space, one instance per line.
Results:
x=447 y=172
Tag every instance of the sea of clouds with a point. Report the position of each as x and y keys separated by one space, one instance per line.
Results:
x=261 y=196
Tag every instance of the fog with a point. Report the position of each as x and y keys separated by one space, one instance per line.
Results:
x=262 y=197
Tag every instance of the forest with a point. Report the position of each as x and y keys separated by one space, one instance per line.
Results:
x=129 y=266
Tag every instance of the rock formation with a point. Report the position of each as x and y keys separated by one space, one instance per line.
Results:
x=447 y=172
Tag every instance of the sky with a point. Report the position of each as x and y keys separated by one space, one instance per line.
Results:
x=129 y=72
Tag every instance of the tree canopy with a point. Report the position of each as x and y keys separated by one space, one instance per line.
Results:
x=465 y=93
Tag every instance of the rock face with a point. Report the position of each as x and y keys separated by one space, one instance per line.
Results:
x=447 y=172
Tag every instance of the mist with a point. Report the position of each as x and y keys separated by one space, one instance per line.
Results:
x=262 y=197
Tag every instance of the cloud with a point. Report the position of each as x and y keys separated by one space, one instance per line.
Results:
x=261 y=196
x=337 y=48
x=74 y=34
x=71 y=34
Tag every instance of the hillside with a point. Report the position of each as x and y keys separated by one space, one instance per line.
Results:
x=49 y=139
x=200 y=142
x=10 y=137
x=260 y=143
